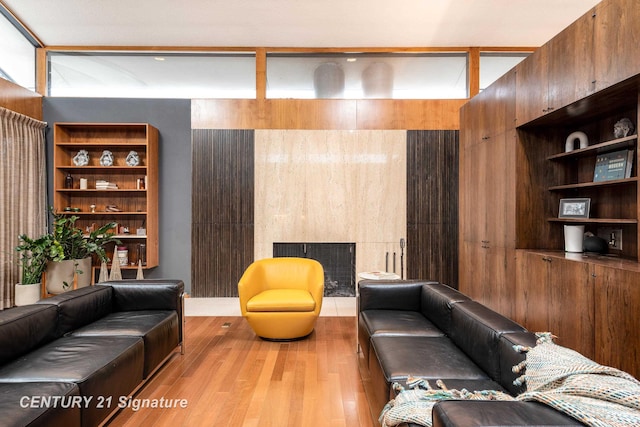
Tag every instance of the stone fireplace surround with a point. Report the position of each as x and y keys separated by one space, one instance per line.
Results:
x=331 y=186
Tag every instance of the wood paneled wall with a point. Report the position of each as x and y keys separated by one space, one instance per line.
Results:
x=388 y=114
x=222 y=210
x=20 y=100
x=432 y=206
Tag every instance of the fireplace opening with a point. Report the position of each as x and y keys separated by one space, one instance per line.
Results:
x=338 y=261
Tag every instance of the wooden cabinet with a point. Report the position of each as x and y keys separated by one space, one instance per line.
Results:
x=532 y=86
x=585 y=79
x=556 y=294
x=558 y=73
x=617 y=32
x=570 y=70
x=617 y=298
x=487 y=173
x=130 y=199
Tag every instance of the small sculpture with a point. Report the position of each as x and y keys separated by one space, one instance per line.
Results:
x=82 y=158
x=107 y=158
x=623 y=128
x=571 y=139
x=133 y=159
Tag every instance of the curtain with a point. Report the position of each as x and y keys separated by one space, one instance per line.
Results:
x=23 y=198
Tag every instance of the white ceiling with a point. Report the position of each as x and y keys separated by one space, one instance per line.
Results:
x=297 y=23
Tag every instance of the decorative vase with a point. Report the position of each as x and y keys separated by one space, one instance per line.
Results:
x=27 y=294
x=60 y=274
x=573 y=238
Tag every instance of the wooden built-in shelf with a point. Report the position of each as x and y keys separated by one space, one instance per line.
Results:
x=103 y=213
x=95 y=190
x=138 y=207
x=136 y=169
x=595 y=220
x=615 y=144
x=631 y=180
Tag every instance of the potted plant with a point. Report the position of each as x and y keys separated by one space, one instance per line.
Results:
x=71 y=252
x=34 y=254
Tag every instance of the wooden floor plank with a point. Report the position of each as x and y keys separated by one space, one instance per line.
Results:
x=230 y=377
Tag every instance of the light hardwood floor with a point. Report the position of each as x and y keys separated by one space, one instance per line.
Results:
x=230 y=377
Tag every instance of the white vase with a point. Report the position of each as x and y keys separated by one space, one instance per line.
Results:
x=573 y=238
x=27 y=294
x=60 y=274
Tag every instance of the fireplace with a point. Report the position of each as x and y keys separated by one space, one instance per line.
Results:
x=338 y=261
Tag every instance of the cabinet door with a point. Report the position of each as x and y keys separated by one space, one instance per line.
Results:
x=571 y=65
x=617 y=298
x=471 y=274
x=556 y=295
x=499 y=279
x=571 y=304
x=532 y=86
x=617 y=51
x=532 y=291
x=498 y=173
x=472 y=188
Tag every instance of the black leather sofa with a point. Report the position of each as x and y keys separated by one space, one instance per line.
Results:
x=432 y=331
x=74 y=359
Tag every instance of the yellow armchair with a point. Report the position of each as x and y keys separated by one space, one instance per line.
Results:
x=281 y=298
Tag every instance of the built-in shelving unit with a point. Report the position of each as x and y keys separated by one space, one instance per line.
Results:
x=134 y=203
x=585 y=79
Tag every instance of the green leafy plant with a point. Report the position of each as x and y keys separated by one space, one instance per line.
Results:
x=34 y=254
x=70 y=242
x=66 y=241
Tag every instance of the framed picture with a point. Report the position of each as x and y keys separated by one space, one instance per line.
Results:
x=574 y=208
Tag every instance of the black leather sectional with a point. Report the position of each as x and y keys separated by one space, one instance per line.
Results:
x=73 y=359
x=432 y=331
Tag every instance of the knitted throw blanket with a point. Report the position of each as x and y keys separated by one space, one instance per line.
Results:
x=415 y=405
x=593 y=394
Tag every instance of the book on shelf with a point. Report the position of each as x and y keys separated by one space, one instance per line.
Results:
x=613 y=165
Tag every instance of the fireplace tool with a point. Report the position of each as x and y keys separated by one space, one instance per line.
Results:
x=401 y=258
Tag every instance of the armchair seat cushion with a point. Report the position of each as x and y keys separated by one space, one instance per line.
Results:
x=282 y=300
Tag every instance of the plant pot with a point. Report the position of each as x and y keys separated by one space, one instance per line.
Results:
x=60 y=274
x=27 y=294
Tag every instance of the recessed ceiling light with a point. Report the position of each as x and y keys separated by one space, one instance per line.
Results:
x=159 y=58
x=352 y=59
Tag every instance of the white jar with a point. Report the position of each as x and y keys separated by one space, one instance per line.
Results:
x=123 y=255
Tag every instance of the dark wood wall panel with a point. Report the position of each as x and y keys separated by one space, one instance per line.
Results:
x=222 y=210
x=432 y=205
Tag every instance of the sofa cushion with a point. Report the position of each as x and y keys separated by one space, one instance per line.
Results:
x=158 y=329
x=423 y=357
x=476 y=329
x=280 y=300
x=476 y=413
x=398 y=322
x=80 y=307
x=101 y=366
x=40 y=404
x=437 y=300
x=25 y=328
